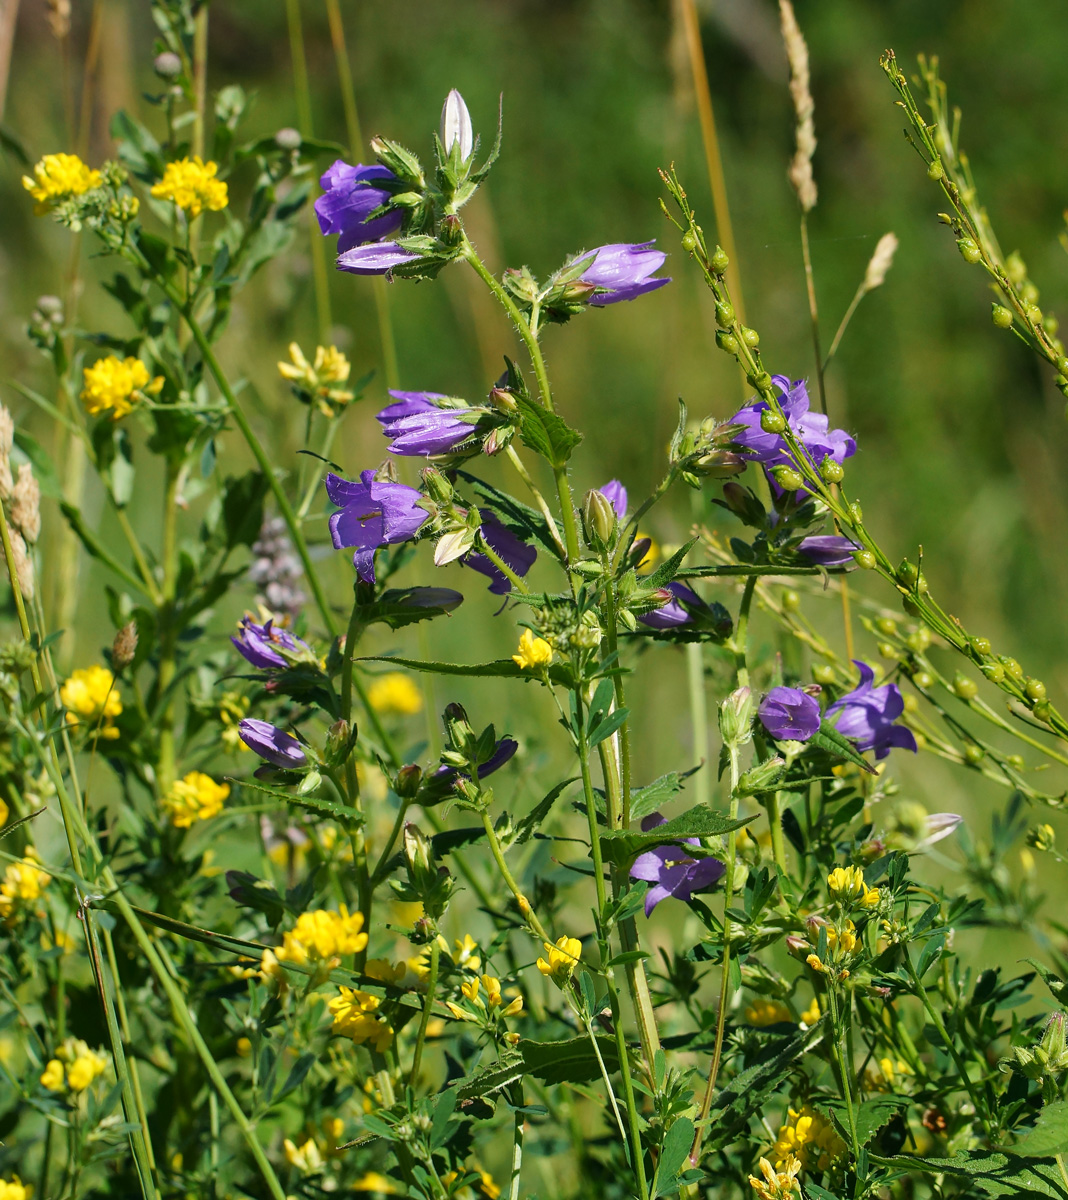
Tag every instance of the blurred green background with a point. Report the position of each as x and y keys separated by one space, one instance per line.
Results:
x=962 y=437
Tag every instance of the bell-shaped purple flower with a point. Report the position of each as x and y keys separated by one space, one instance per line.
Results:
x=376 y=258
x=518 y=555
x=623 y=270
x=268 y=647
x=616 y=495
x=672 y=613
x=789 y=714
x=350 y=195
x=374 y=513
x=671 y=871
x=867 y=714
x=810 y=429
x=829 y=550
x=277 y=747
x=416 y=425
x=438 y=784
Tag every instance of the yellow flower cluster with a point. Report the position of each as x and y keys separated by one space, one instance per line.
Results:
x=534 y=652
x=197 y=797
x=808 y=1137
x=23 y=883
x=889 y=1077
x=322 y=935
x=82 y=1067
x=562 y=961
x=767 y=1012
x=847 y=886
x=319 y=381
x=494 y=999
x=374 y=1183
x=307 y=1158
x=842 y=945
x=395 y=693
x=385 y=971
x=115 y=385
x=354 y=1017
x=15 y=1189
x=191 y=184
x=811 y=1014
x=57 y=176
x=486 y=1185
x=777 y=1185
x=90 y=698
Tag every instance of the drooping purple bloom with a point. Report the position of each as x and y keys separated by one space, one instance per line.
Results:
x=518 y=555
x=616 y=495
x=376 y=258
x=671 y=871
x=671 y=613
x=416 y=425
x=349 y=197
x=789 y=714
x=439 y=783
x=374 y=513
x=277 y=747
x=829 y=550
x=624 y=271
x=261 y=645
x=867 y=714
x=810 y=429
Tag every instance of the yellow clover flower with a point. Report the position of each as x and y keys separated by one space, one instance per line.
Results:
x=808 y=1137
x=57 y=176
x=323 y=935
x=115 y=385
x=846 y=884
x=320 y=381
x=534 y=652
x=90 y=697
x=23 y=883
x=191 y=184
x=15 y=1189
x=197 y=797
x=85 y=1068
x=395 y=693
x=767 y=1012
x=777 y=1185
x=52 y=1077
x=562 y=961
x=354 y=1017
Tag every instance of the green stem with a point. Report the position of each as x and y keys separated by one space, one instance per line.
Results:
x=846 y=1071
x=485 y=548
x=543 y=505
x=528 y=914
x=741 y=632
x=167 y=770
x=695 y=674
x=431 y=988
x=813 y=311
x=778 y=846
x=515 y=1098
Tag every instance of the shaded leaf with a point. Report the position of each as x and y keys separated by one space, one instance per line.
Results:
x=621 y=845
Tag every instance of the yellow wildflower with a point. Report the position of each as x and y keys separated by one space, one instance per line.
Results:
x=651 y=554
x=846 y=884
x=323 y=935
x=233 y=708
x=305 y=1158
x=467 y=956
x=321 y=380
x=811 y=1014
x=57 y=176
x=15 y=1189
x=767 y=1012
x=563 y=958
x=385 y=971
x=84 y=1069
x=395 y=693
x=117 y=384
x=23 y=883
x=5 y=812
x=52 y=1077
x=271 y=970
x=191 y=184
x=243 y=1047
x=777 y=1185
x=354 y=1017
x=374 y=1184
x=534 y=652
x=808 y=1137
x=845 y=941
x=489 y=1188
x=90 y=698
x=470 y=990
x=197 y=797
x=889 y=1077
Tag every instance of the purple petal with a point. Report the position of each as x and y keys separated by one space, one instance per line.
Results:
x=653 y=897
x=829 y=550
x=616 y=495
x=374 y=259
x=272 y=743
x=652 y=863
x=789 y=714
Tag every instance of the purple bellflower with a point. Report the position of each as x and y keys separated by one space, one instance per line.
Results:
x=416 y=425
x=829 y=550
x=350 y=195
x=616 y=495
x=518 y=555
x=867 y=714
x=374 y=513
x=809 y=428
x=623 y=271
x=671 y=613
x=671 y=871
x=269 y=648
x=789 y=714
x=376 y=258
x=439 y=783
x=277 y=747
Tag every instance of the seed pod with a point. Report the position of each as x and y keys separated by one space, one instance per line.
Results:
x=965 y=688
x=865 y=559
x=771 y=421
x=969 y=250
x=726 y=341
x=980 y=645
x=725 y=313
x=832 y=471
x=1035 y=689
x=719 y=261
x=1001 y=316
x=935 y=170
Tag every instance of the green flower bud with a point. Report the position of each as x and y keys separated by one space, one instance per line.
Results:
x=599 y=517
x=907 y=574
x=1053 y=1043
x=437 y=485
x=761 y=776
x=935 y=169
x=980 y=645
x=1034 y=314
x=1062 y=365
x=719 y=261
x=504 y=400
x=1012 y=667
x=1035 y=689
x=1015 y=761
x=994 y=671
x=865 y=559
x=823 y=674
x=750 y=337
x=689 y=241
x=726 y=341
x=1029 y=293
x=923 y=680
x=417 y=855
x=791 y=601
x=1001 y=316
x=856 y=512
x=725 y=313
x=832 y=471
x=888 y=650
x=771 y=421
x=1015 y=268
x=969 y=250
x=407 y=782
x=965 y=688
x=1043 y=710
x=918 y=640
x=736 y=717
x=886 y=626
x=1041 y=837
x=787 y=478
x=973 y=754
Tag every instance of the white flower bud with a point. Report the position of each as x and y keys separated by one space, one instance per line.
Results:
x=456 y=125
x=453 y=545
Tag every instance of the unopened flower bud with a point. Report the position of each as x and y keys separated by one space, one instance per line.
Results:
x=750 y=337
x=124 y=647
x=935 y=170
x=599 y=517
x=453 y=545
x=831 y=470
x=760 y=380
x=736 y=717
x=994 y=671
x=504 y=400
x=457 y=726
x=1012 y=667
x=865 y=559
x=456 y=128
x=167 y=65
x=761 y=777
x=1041 y=837
x=288 y=139
x=965 y=688
x=406 y=785
x=1035 y=689
x=451 y=230
x=437 y=485
x=416 y=853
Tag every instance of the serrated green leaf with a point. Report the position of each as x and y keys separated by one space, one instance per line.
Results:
x=545 y=433
x=571 y=1061
x=319 y=804
x=655 y=795
x=665 y=573
x=526 y=523
x=621 y=845
x=990 y=1173
x=533 y=819
x=1049 y=1135
x=828 y=738
x=482 y=1083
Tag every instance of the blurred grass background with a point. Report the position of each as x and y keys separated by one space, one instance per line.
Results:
x=962 y=437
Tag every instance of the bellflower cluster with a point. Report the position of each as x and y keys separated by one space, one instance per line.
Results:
x=350 y=195
x=374 y=513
